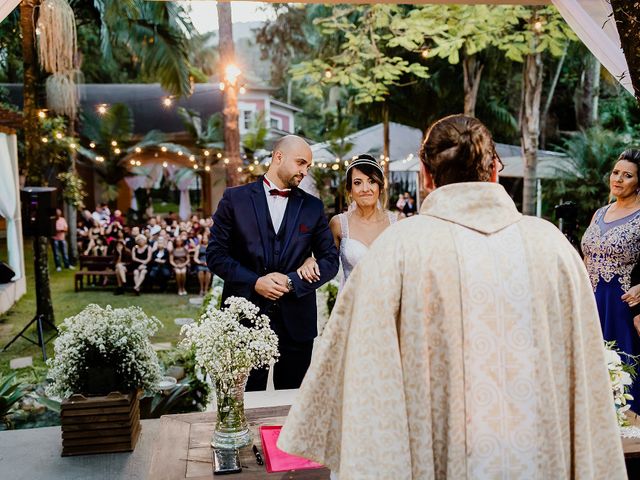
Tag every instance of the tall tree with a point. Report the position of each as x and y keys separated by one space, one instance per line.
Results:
x=366 y=62
x=230 y=112
x=44 y=305
x=535 y=30
x=627 y=17
x=468 y=30
x=587 y=93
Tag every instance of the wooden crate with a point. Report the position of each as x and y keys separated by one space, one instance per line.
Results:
x=100 y=424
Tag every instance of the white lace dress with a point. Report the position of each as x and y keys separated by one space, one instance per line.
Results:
x=352 y=250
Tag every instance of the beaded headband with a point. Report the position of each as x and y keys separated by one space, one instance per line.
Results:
x=365 y=159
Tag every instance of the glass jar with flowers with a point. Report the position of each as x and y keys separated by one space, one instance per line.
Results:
x=228 y=343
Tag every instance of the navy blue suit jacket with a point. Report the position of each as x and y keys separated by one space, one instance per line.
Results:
x=239 y=251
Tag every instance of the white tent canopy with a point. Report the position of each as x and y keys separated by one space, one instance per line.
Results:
x=10 y=210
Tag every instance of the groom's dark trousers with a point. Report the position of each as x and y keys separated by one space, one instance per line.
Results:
x=244 y=246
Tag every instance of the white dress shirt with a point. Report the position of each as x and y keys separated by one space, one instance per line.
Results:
x=277 y=204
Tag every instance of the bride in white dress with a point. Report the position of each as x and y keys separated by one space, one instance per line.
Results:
x=355 y=230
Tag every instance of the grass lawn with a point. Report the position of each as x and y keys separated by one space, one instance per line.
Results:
x=166 y=307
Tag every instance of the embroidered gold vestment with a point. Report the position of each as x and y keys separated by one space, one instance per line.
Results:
x=466 y=344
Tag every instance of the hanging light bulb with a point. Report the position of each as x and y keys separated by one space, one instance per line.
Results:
x=102 y=108
x=242 y=90
x=195 y=166
x=335 y=166
x=117 y=151
x=114 y=143
x=251 y=168
x=206 y=153
x=42 y=114
x=58 y=135
x=239 y=169
x=44 y=140
x=167 y=101
x=138 y=150
x=226 y=161
x=99 y=158
x=164 y=149
x=72 y=145
x=92 y=145
x=207 y=168
x=328 y=73
x=219 y=155
x=165 y=164
x=138 y=163
x=132 y=161
x=179 y=153
x=192 y=158
x=221 y=86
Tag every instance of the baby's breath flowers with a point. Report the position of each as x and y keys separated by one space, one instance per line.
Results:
x=104 y=338
x=229 y=342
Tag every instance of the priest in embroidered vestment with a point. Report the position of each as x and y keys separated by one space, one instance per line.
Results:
x=466 y=343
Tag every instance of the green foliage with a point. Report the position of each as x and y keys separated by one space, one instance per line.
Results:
x=189 y=395
x=465 y=29
x=592 y=154
x=534 y=30
x=11 y=393
x=211 y=136
x=154 y=34
x=72 y=189
x=365 y=61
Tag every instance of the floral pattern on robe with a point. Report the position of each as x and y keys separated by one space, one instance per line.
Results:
x=466 y=344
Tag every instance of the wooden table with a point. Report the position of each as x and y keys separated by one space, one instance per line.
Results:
x=182 y=448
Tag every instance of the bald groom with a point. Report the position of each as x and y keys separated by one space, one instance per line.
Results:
x=262 y=232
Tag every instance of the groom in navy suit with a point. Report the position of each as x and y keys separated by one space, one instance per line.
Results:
x=261 y=235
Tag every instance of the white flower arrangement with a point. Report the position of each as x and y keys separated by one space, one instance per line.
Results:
x=216 y=292
x=231 y=341
x=621 y=375
x=105 y=338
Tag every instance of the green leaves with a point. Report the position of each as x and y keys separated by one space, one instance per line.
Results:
x=365 y=62
x=11 y=393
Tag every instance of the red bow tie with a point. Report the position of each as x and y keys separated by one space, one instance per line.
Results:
x=280 y=193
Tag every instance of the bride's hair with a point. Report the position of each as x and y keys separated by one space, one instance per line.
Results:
x=457 y=149
x=370 y=167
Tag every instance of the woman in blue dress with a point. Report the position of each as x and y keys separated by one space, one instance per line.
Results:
x=611 y=247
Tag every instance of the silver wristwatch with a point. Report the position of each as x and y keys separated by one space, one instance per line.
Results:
x=290 y=284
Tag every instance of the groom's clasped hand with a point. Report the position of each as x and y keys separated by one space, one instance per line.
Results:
x=272 y=285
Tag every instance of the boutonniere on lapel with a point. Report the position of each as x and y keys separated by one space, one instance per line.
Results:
x=303 y=228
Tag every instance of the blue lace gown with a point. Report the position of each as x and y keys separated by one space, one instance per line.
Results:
x=611 y=249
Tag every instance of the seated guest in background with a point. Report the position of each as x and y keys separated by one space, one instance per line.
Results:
x=141 y=256
x=454 y=351
x=180 y=261
x=160 y=271
x=131 y=239
x=200 y=261
x=122 y=260
x=97 y=244
x=410 y=209
x=118 y=217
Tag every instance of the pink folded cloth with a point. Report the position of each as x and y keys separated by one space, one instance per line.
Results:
x=276 y=459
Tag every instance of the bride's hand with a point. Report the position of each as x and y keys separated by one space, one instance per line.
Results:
x=632 y=297
x=309 y=270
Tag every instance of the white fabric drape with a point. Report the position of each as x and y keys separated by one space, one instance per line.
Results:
x=9 y=204
x=593 y=22
x=6 y=7
x=184 y=178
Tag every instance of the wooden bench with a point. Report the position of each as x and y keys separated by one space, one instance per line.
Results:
x=96 y=266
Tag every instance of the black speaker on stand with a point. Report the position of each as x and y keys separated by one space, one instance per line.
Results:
x=38 y=220
x=38 y=211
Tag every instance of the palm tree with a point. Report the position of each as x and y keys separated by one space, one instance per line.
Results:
x=155 y=34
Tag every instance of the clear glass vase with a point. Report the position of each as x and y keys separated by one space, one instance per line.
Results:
x=232 y=430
